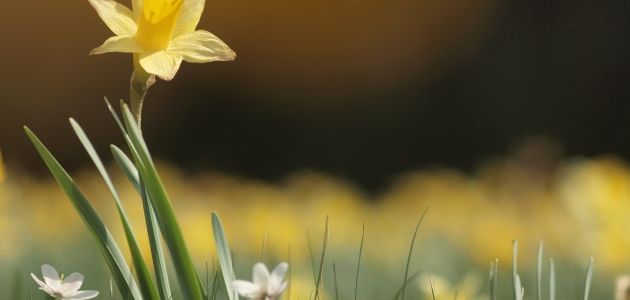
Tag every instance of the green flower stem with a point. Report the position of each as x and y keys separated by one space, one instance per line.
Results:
x=140 y=83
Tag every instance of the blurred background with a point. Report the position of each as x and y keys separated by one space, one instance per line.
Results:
x=509 y=118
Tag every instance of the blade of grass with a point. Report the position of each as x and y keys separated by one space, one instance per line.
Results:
x=413 y=240
x=187 y=276
x=589 y=277
x=413 y=277
x=335 y=278
x=539 y=273
x=147 y=286
x=552 y=280
x=321 y=263
x=431 y=284
x=517 y=289
x=356 y=283
x=101 y=236
x=493 y=279
x=225 y=259
x=155 y=242
x=310 y=250
x=157 y=254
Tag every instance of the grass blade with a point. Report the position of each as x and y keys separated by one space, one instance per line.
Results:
x=589 y=277
x=147 y=286
x=413 y=240
x=310 y=250
x=225 y=259
x=539 y=273
x=155 y=242
x=494 y=273
x=356 y=283
x=335 y=278
x=432 y=287
x=157 y=254
x=552 y=280
x=517 y=287
x=187 y=276
x=413 y=277
x=101 y=236
x=321 y=263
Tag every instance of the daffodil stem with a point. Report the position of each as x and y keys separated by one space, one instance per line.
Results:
x=140 y=83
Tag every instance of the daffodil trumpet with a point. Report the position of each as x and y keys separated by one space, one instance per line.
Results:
x=160 y=34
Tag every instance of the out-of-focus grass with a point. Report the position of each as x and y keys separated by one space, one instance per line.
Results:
x=579 y=210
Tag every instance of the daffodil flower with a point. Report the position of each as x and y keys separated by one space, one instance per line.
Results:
x=160 y=34
x=63 y=289
x=265 y=286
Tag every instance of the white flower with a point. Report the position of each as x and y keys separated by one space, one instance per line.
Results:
x=265 y=286
x=63 y=289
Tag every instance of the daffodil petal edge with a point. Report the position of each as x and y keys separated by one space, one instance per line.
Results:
x=160 y=63
x=189 y=17
x=200 y=47
x=116 y=16
x=125 y=44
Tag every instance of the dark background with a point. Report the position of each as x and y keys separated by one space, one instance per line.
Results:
x=361 y=89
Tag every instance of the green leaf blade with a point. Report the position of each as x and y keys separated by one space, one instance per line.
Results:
x=101 y=236
x=187 y=276
x=225 y=259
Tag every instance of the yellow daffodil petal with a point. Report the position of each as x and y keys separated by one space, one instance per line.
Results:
x=116 y=16
x=189 y=17
x=160 y=63
x=126 y=44
x=199 y=47
x=136 y=6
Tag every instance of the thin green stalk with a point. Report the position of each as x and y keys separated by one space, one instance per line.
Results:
x=589 y=277
x=321 y=263
x=356 y=283
x=517 y=287
x=431 y=284
x=410 y=251
x=336 y=287
x=310 y=250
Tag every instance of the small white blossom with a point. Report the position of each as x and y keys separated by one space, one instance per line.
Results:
x=64 y=288
x=265 y=286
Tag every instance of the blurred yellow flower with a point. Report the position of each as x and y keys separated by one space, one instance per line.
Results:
x=160 y=33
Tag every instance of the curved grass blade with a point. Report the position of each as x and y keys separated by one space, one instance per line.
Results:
x=413 y=277
x=157 y=254
x=413 y=240
x=101 y=236
x=225 y=259
x=589 y=277
x=310 y=251
x=493 y=279
x=517 y=287
x=321 y=263
x=335 y=278
x=147 y=286
x=187 y=276
x=431 y=283
x=356 y=283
